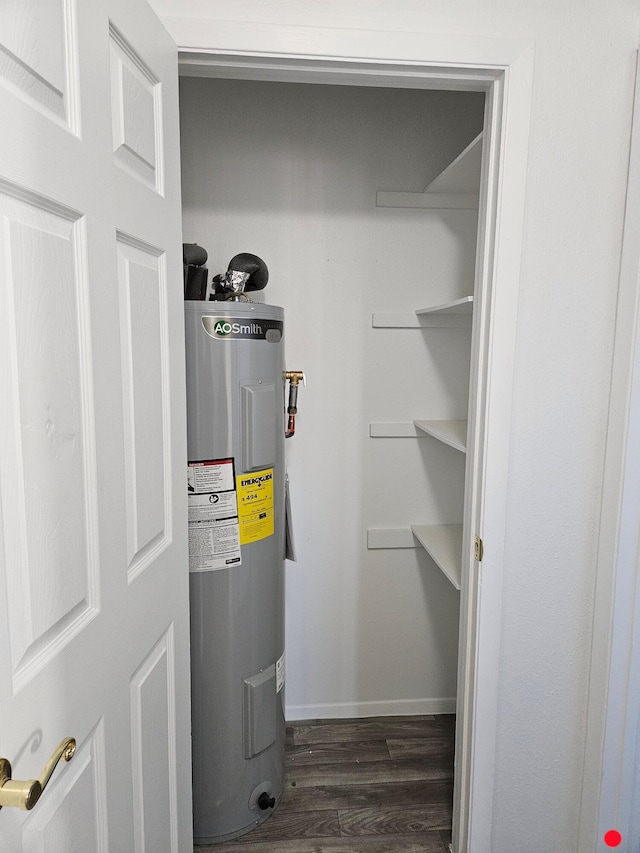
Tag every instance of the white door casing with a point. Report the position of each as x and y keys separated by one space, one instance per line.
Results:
x=504 y=70
x=93 y=568
x=611 y=776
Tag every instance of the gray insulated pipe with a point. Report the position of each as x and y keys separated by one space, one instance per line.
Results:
x=195 y=273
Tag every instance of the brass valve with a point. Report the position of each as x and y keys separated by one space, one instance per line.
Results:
x=295 y=377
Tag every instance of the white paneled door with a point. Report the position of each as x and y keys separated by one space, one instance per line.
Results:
x=93 y=568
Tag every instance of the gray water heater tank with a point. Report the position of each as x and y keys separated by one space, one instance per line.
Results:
x=236 y=483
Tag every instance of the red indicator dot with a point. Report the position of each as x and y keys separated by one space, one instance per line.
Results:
x=612 y=838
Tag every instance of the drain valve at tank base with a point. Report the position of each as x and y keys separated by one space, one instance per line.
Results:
x=262 y=797
x=265 y=801
x=295 y=377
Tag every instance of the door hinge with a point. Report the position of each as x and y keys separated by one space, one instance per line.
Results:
x=478 y=548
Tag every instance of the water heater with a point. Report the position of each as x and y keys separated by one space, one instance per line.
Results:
x=236 y=486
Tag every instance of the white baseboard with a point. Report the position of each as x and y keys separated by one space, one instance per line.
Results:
x=389 y=708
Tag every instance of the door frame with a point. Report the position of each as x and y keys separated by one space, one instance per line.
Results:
x=612 y=748
x=503 y=69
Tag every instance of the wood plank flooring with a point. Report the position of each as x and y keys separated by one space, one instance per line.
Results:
x=375 y=785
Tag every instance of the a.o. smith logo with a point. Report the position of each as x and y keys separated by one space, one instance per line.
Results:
x=222 y=328
x=233 y=328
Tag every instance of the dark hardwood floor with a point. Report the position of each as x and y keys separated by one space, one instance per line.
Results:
x=376 y=785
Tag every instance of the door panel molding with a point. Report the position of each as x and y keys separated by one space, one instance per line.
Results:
x=152 y=693
x=142 y=281
x=48 y=454
x=136 y=113
x=43 y=71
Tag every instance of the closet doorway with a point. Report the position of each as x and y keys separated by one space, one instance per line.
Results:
x=460 y=313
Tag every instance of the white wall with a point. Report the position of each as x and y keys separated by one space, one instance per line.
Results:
x=290 y=172
x=584 y=55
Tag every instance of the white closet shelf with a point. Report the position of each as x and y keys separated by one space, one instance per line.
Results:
x=457 y=306
x=456 y=313
x=463 y=174
x=443 y=543
x=456 y=188
x=453 y=433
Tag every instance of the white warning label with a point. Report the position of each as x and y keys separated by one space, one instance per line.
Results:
x=214 y=531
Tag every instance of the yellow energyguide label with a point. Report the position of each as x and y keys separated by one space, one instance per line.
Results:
x=255 y=505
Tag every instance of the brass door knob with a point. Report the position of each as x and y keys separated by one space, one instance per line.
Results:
x=24 y=795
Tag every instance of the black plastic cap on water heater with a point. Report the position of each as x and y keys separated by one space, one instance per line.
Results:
x=255 y=266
